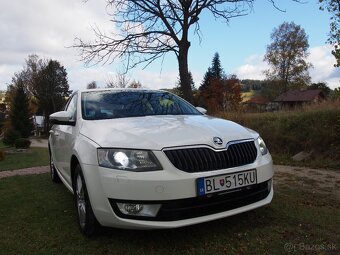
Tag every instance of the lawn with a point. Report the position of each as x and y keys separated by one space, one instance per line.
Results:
x=32 y=157
x=2 y=145
x=314 y=129
x=37 y=217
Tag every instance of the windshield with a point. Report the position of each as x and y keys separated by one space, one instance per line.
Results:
x=97 y=105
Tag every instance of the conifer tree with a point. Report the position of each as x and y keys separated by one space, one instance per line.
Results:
x=20 y=116
x=216 y=68
x=206 y=80
x=214 y=72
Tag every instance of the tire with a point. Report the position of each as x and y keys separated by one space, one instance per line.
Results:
x=54 y=174
x=87 y=222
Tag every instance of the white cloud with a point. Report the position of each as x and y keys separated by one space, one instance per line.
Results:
x=252 y=69
x=6 y=72
x=156 y=80
x=320 y=57
x=47 y=28
x=323 y=69
x=80 y=77
x=197 y=77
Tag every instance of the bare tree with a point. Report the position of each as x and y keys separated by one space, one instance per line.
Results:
x=135 y=84
x=120 y=81
x=151 y=28
x=92 y=85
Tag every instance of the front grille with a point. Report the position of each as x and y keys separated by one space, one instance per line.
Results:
x=200 y=206
x=205 y=159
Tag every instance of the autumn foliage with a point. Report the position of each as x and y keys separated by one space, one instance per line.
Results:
x=232 y=94
x=219 y=92
x=222 y=95
x=213 y=96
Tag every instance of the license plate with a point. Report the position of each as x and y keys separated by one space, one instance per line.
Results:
x=225 y=182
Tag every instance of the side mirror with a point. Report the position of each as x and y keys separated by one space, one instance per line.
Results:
x=201 y=110
x=62 y=118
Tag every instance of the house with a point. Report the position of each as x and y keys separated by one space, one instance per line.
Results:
x=256 y=103
x=257 y=100
x=38 y=122
x=294 y=98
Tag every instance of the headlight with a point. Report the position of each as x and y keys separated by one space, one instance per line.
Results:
x=129 y=160
x=263 y=147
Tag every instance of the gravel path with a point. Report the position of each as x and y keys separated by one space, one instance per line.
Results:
x=26 y=171
x=316 y=180
x=36 y=142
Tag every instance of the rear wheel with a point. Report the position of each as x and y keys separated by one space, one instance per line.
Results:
x=87 y=221
x=54 y=174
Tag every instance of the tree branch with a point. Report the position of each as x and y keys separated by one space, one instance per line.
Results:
x=148 y=29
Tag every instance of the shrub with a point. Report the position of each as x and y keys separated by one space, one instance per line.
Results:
x=2 y=154
x=10 y=136
x=22 y=143
x=314 y=129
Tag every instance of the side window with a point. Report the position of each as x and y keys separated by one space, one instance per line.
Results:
x=71 y=106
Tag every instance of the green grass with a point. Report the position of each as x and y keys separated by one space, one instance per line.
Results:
x=37 y=217
x=2 y=145
x=285 y=159
x=32 y=157
x=313 y=129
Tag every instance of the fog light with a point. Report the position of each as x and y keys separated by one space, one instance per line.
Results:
x=133 y=208
x=270 y=185
x=146 y=210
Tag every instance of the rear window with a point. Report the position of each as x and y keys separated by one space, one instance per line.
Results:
x=98 y=105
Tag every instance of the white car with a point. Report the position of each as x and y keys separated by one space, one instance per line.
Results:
x=147 y=159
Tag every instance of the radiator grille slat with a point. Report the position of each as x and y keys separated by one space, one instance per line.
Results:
x=247 y=151
x=205 y=159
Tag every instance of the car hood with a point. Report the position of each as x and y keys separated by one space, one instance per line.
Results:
x=158 y=132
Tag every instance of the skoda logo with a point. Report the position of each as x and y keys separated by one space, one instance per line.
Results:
x=217 y=141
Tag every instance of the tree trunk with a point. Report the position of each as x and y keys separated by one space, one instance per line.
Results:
x=184 y=71
x=46 y=122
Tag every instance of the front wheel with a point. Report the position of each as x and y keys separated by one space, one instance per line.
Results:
x=54 y=174
x=87 y=221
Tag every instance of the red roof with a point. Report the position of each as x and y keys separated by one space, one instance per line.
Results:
x=257 y=100
x=298 y=95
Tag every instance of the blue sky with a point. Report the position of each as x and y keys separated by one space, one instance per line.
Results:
x=46 y=27
x=249 y=35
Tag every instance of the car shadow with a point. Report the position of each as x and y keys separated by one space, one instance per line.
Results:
x=200 y=233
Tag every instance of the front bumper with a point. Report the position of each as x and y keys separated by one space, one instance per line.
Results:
x=180 y=209
x=176 y=191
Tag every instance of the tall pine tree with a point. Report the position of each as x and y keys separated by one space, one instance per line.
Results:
x=216 y=68
x=215 y=72
x=206 y=80
x=19 y=115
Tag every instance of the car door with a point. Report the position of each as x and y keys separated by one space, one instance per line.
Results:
x=65 y=138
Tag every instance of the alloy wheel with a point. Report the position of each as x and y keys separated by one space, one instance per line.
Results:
x=81 y=203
